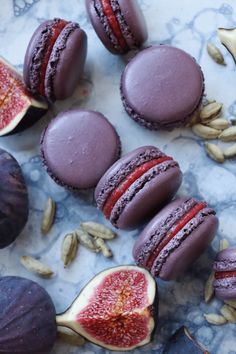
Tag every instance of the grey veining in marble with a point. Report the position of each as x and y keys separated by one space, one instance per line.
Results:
x=185 y=24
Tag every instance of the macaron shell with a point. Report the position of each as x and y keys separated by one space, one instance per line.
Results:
x=97 y=25
x=225 y=260
x=150 y=198
x=74 y=150
x=35 y=39
x=155 y=223
x=162 y=85
x=225 y=289
x=70 y=65
x=136 y=22
x=190 y=249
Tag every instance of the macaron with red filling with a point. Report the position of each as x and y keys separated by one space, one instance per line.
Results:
x=119 y=24
x=137 y=186
x=175 y=238
x=54 y=59
x=225 y=274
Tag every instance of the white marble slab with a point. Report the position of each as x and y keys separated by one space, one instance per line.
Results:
x=185 y=24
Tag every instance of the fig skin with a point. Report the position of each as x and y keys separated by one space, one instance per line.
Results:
x=14 y=206
x=31 y=117
x=27 y=317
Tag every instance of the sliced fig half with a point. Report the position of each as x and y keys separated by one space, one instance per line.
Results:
x=18 y=109
x=115 y=310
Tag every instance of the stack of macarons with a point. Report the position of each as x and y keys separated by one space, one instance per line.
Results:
x=80 y=150
x=139 y=185
x=131 y=190
x=55 y=57
x=161 y=87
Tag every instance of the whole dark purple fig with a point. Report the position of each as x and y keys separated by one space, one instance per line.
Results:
x=27 y=317
x=14 y=207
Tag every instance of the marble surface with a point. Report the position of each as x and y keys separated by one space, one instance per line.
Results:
x=185 y=24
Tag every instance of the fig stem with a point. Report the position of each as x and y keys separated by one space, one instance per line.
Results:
x=61 y=320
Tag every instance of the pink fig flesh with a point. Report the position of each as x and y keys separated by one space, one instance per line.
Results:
x=115 y=310
x=15 y=101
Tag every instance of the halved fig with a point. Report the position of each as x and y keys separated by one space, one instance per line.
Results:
x=18 y=109
x=115 y=310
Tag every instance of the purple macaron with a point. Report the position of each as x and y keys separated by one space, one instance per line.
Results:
x=137 y=186
x=119 y=24
x=54 y=59
x=77 y=148
x=175 y=238
x=225 y=274
x=161 y=87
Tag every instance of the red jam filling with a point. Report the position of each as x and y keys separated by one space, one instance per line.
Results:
x=179 y=226
x=55 y=32
x=114 y=24
x=130 y=179
x=227 y=274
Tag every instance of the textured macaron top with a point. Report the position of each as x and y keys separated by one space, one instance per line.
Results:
x=78 y=146
x=167 y=231
x=118 y=23
x=161 y=87
x=45 y=61
x=131 y=176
